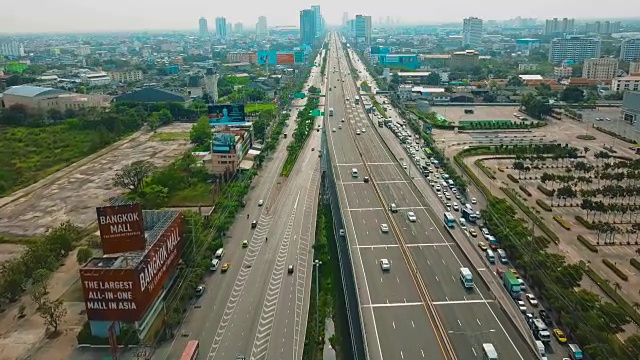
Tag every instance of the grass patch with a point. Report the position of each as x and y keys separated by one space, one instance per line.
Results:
x=198 y=194
x=513 y=179
x=525 y=209
x=18 y=240
x=252 y=108
x=170 y=136
x=484 y=169
x=543 y=205
x=584 y=241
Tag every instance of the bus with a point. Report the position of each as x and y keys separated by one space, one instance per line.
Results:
x=449 y=220
x=191 y=350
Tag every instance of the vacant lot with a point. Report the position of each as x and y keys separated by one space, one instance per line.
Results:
x=76 y=195
x=456 y=113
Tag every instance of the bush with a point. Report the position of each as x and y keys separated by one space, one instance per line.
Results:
x=586 y=137
x=543 y=205
x=615 y=269
x=635 y=263
x=587 y=244
x=485 y=169
x=584 y=222
x=543 y=189
x=513 y=179
x=562 y=222
x=524 y=190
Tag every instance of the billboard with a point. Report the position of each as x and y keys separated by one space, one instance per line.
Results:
x=226 y=114
x=124 y=293
x=121 y=228
x=267 y=57
x=286 y=58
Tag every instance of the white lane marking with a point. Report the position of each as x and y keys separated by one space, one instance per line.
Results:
x=396 y=245
x=393 y=304
x=457 y=302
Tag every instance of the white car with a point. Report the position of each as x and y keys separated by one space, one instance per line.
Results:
x=532 y=300
x=384 y=228
x=473 y=200
x=364 y=130
x=357 y=132
x=333 y=130
x=260 y=202
x=411 y=216
x=522 y=306
x=523 y=286
x=404 y=165
x=456 y=207
x=339 y=126
x=385 y=264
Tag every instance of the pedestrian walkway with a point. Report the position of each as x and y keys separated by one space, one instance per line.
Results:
x=328 y=353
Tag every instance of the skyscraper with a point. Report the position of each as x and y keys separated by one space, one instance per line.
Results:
x=203 y=27
x=574 y=48
x=555 y=26
x=221 y=27
x=472 y=32
x=261 y=26
x=345 y=18
x=307 y=27
x=237 y=28
x=229 y=28
x=318 y=18
x=363 y=29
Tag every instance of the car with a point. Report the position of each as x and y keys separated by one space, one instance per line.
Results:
x=532 y=300
x=260 y=202
x=240 y=357
x=364 y=130
x=458 y=196
x=339 y=126
x=545 y=317
x=225 y=267
x=499 y=271
x=473 y=200
x=384 y=228
x=522 y=306
x=560 y=336
x=447 y=196
x=456 y=207
x=523 y=286
x=483 y=246
x=342 y=120
x=411 y=216
x=404 y=165
x=341 y=232
x=199 y=290
x=385 y=265
x=290 y=269
x=515 y=273
x=245 y=244
x=366 y=179
x=254 y=224
x=333 y=130
x=393 y=208
x=448 y=206
x=454 y=190
x=357 y=132
x=473 y=232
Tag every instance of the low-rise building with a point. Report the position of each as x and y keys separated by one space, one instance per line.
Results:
x=463 y=60
x=152 y=95
x=95 y=79
x=35 y=97
x=228 y=148
x=527 y=67
x=416 y=78
x=626 y=83
x=634 y=68
x=126 y=76
x=601 y=68
x=563 y=71
x=242 y=57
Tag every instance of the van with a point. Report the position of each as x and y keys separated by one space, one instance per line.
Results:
x=490 y=256
x=463 y=222
x=489 y=352
x=219 y=253
x=541 y=350
x=215 y=263
x=503 y=256
x=575 y=352
x=451 y=184
x=485 y=232
x=354 y=172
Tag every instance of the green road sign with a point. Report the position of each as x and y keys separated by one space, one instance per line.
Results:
x=299 y=95
x=317 y=113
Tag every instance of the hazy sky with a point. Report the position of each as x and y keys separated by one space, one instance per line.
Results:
x=87 y=15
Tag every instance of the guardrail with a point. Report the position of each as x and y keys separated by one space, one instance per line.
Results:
x=442 y=338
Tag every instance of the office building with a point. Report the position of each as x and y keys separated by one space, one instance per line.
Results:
x=363 y=29
x=13 y=48
x=261 y=26
x=563 y=71
x=603 y=68
x=237 y=28
x=555 y=26
x=307 y=27
x=634 y=68
x=318 y=18
x=472 y=32
x=345 y=18
x=126 y=76
x=221 y=27
x=630 y=49
x=606 y=27
x=627 y=83
x=229 y=28
x=631 y=108
x=464 y=60
x=203 y=27
x=573 y=48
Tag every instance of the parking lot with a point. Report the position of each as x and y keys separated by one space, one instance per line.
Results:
x=456 y=113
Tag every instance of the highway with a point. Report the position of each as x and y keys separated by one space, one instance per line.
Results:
x=257 y=309
x=420 y=305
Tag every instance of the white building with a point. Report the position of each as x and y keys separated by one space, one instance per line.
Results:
x=472 y=32
x=13 y=48
x=261 y=26
x=555 y=26
x=602 y=68
x=95 y=79
x=563 y=71
x=527 y=67
x=630 y=49
x=626 y=83
x=126 y=76
x=203 y=27
x=573 y=48
x=634 y=67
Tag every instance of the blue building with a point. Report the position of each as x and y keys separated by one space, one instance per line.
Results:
x=409 y=61
x=527 y=44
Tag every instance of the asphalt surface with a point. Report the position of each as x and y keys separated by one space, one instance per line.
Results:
x=257 y=309
x=396 y=323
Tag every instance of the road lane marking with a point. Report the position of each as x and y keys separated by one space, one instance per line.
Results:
x=396 y=245
x=388 y=304
x=457 y=302
x=365 y=209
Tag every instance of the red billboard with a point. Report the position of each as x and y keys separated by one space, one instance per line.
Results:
x=121 y=228
x=285 y=58
x=125 y=294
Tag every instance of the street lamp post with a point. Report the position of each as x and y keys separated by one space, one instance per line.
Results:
x=317 y=264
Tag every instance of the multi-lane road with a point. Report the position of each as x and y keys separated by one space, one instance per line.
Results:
x=258 y=309
x=419 y=309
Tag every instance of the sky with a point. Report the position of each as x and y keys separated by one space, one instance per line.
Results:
x=114 y=15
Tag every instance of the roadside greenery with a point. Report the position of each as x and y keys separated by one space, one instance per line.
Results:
x=304 y=128
x=535 y=107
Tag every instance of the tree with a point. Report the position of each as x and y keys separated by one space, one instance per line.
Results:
x=200 y=133
x=52 y=312
x=515 y=81
x=83 y=255
x=132 y=176
x=432 y=79
x=572 y=94
x=153 y=122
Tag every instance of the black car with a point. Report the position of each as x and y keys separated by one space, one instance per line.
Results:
x=545 y=317
x=366 y=179
x=254 y=224
x=290 y=269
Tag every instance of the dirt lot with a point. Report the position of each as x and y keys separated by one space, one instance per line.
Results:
x=76 y=195
x=456 y=113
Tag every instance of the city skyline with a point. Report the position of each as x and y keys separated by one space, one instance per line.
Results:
x=67 y=16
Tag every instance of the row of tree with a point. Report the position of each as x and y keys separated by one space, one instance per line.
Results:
x=587 y=319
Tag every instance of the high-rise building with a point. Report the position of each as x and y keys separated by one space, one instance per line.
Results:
x=573 y=48
x=203 y=27
x=221 y=27
x=602 y=68
x=630 y=49
x=229 y=28
x=605 y=27
x=318 y=18
x=237 y=28
x=261 y=26
x=345 y=18
x=555 y=26
x=363 y=29
x=307 y=27
x=13 y=48
x=472 y=32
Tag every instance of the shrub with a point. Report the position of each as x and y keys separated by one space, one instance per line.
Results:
x=615 y=269
x=635 y=263
x=586 y=137
x=513 y=179
x=587 y=244
x=562 y=222
x=524 y=190
x=543 y=205
x=586 y=223
x=485 y=169
x=543 y=189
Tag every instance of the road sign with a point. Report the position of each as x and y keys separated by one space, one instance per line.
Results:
x=317 y=113
x=299 y=95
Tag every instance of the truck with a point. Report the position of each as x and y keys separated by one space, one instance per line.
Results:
x=540 y=330
x=380 y=123
x=511 y=283
x=330 y=111
x=468 y=215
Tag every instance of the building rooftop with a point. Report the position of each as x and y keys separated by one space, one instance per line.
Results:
x=32 y=91
x=417 y=73
x=530 y=77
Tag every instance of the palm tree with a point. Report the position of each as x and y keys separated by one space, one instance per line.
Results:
x=617 y=286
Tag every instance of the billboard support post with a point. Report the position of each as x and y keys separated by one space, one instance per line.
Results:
x=113 y=341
